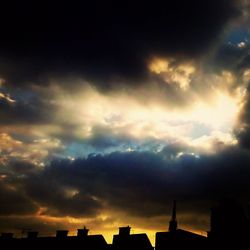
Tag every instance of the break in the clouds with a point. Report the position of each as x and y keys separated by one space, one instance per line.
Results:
x=180 y=103
x=105 y=108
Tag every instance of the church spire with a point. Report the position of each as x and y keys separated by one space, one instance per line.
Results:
x=173 y=221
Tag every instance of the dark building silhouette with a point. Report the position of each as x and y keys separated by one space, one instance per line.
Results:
x=125 y=241
x=61 y=241
x=7 y=236
x=62 y=234
x=82 y=233
x=177 y=238
x=32 y=235
x=230 y=228
x=229 y=223
x=173 y=222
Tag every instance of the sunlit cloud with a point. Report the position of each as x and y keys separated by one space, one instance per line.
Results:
x=125 y=116
x=246 y=76
x=85 y=118
x=241 y=45
x=36 y=151
x=179 y=74
x=158 y=65
x=6 y=97
x=1 y=82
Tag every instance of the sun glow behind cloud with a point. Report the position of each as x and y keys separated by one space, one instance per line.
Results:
x=200 y=124
x=186 y=106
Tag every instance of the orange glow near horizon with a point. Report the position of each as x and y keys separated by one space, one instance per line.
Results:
x=48 y=224
x=72 y=224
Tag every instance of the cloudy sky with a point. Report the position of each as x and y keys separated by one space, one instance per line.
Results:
x=109 y=110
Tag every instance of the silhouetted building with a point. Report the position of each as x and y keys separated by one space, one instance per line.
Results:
x=61 y=241
x=230 y=227
x=86 y=241
x=62 y=234
x=125 y=241
x=82 y=233
x=32 y=235
x=7 y=236
x=124 y=231
x=173 y=222
x=82 y=240
x=229 y=223
x=177 y=238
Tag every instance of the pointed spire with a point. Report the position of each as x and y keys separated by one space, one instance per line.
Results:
x=173 y=221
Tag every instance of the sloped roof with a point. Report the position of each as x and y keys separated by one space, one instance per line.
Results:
x=133 y=241
x=179 y=234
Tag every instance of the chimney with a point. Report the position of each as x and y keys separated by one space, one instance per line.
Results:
x=32 y=235
x=124 y=231
x=7 y=236
x=173 y=222
x=62 y=234
x=82 y=233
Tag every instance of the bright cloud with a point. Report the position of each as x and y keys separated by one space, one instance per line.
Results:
x=85 y=118
x=36 y=151
x=6 y=96
x=209 y=120
x=172 y=73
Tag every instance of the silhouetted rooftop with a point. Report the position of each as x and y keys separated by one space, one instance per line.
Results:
x=179 y=234
x=131 y=241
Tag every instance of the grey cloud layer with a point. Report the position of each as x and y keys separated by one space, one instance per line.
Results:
x=106 y=41
x=126 y=181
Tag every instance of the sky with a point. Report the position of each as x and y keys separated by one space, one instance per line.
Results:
x=110 y=110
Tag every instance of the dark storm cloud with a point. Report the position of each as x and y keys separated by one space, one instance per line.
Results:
x=21 y=167
x=231 y=57
x=61 y=199
x=244 y=136
x=30 y=110
x=238 y=60
x=14 y=201
x=128 y=181
x=21 y=224
x=105 y=39
x=243 y=132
